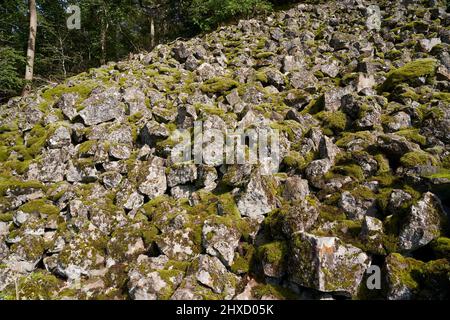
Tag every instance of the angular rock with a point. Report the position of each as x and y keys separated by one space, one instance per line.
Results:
x=258 y=198
x=423 y=223
x=327 y=264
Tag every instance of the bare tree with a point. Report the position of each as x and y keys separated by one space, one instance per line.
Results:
x=31 y=47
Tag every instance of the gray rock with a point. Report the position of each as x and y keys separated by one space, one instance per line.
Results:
x=153 y=182
x=327 y=264
x=318 y=168
x=428 y=44
x=67 y=105
x=295 y=188
x=257 y=199
x=330 y=69
x=134 y=201
x=153 y=132
x=301 y=216
x=213 y=274
x=327 y=149
x=373 y=21
x=177 y=244
x=356 y=208
x=102 y=107
x=220 y=241
x=400 y=120
x=423 y=223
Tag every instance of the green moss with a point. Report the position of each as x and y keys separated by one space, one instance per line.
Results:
x=261 y=76
x=402 y=269
x=40 y=206
x=87 y=147
x=149 y=235
x=243 y=260
x=349 y=137
x=330 y=212
x=269 y=290
x=334 y=121
x=410 y=71
x=441 y=174
x=16 y=185
x=40 y=285
x=415 y=158
x=83 y=90
x=412 y=135
x=296 y=161
x=6 y=217
x=274 y=252
x=350 y=170
x=38 y=138
x=218 y=85
x=441 y=248
x=443 y=96
x=264 y=55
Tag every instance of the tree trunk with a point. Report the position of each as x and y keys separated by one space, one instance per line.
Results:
x=103 y=36
x=152 y=33
x=29 y=70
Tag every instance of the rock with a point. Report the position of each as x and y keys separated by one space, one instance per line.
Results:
x=318 y=168
x=177 y=244
x=291 y=63
x=410 y=279
x=112 y=179
x=373 y=21
x=397 y=200
x=301 y=216
x=135 y=201
x=428 y=44
x=356 y=208
x=20 y=217
x=79 y=257
x=220 y=241
x=258 y=198
x=152 y=133
x=208 y=177
x=60 y=138
x=180 y=192
x=331 y=69
x=146 y=283
x=423 y=223
x=102 y=107
x=233 y=97
x=153 y=182
x=395 y=145
x=332 y=98
x=121 y=152
x=327 y=149
x=181 y=52
x=273 y=259
x=372 y=233
x=327 y=264
x=213 y=274
x=181 y=174
x=302 y=80
x=51 y=167
x=365 y=82
x=295 y=188
x=400 y=120
x=124 y=245
x=134 y=98
x=67 y=105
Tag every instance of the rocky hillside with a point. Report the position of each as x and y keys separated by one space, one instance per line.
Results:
x=93 y=207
